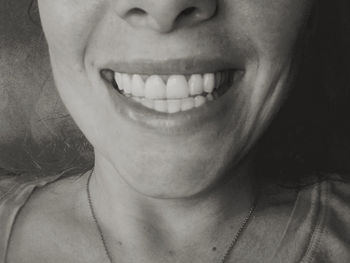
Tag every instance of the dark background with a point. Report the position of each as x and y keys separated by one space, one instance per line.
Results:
x=36 y=133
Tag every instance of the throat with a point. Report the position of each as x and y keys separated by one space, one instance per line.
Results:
x=160 y=230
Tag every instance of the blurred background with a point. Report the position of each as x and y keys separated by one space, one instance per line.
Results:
x=36 y=132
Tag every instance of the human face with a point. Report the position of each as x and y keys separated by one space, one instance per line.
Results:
x=181 y=154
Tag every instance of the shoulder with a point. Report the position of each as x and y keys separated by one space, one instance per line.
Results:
x=331 y=236
x=318 y=229
x=20 y=187
x=16 y=194
x=55 y=217
x=16 y=189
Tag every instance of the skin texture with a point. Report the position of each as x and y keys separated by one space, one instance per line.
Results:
x=253 y=35
x=156 y=190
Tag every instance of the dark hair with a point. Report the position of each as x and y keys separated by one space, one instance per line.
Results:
x=311 y=133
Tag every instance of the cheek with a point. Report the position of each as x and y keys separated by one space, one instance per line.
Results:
x=68 y=25
x=272 y=26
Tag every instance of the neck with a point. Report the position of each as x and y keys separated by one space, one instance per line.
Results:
x=130 y=215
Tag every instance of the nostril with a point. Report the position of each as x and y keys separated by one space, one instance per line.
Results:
x=136 y=16
x=136 y=12
x=166 y=16
x=186 y=13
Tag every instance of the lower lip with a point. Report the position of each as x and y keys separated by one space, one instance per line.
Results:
x=192 y=120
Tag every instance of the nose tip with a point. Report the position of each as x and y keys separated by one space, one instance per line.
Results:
x=165 y=15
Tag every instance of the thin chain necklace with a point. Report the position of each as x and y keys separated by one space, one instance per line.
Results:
x=223 y=259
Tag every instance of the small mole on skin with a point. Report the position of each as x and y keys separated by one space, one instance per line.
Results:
x=214 y=249
x=120 y=243
x=171 y=253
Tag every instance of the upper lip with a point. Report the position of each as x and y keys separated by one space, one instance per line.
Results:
x=183 y=66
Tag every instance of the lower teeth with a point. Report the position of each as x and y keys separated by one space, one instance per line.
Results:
x=174 y=105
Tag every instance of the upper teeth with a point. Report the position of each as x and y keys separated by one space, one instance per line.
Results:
x=175 y=87
x=172 y=93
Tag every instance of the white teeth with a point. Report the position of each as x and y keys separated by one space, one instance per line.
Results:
x=138 y=86
x=161 y=105
x=118 y=79
x=187 y=104
x=155 y=88
x=174 y=106
x=195 y=84
x=171 y=96
x=209 y=82
x=199 y=101
x=177 y=87
x=171 y=106
x=148 y=103
x=126 y=83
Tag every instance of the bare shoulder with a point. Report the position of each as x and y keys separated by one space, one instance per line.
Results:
x=54 y=225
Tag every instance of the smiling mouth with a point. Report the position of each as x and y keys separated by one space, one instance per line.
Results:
x=173 y=93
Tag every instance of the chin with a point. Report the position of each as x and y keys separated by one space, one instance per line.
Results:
x=184 y=153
